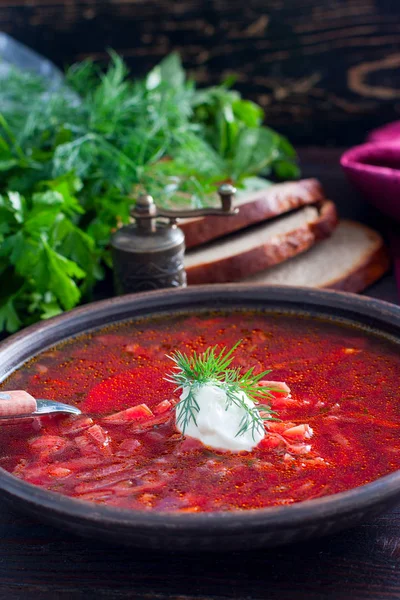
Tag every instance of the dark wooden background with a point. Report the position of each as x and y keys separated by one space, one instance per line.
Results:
x=326 y=71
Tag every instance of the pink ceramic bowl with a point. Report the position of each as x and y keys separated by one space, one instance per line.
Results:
x=374 y=169
x=388 y=133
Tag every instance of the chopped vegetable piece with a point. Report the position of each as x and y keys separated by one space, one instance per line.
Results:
x=48 y=444
x=135 y=413
x=60 y=472
x=298 y=433
x=162 y=407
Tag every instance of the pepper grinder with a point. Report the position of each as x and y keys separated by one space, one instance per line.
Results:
x=149 y=253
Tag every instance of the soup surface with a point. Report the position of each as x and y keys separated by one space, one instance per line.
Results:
x=344 y=385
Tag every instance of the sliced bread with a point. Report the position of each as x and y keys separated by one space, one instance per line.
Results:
x=261 y=246
x=254 y=207
x=353 y=258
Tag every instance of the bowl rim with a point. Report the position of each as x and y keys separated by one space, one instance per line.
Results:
x=342 y=303
x=352 y=159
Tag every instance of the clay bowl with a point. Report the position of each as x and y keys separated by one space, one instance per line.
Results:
x=374 y=169
x=212 y=531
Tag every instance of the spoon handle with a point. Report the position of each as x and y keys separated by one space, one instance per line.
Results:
x=16 y=402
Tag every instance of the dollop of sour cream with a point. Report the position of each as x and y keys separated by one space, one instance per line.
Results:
x=217 y=427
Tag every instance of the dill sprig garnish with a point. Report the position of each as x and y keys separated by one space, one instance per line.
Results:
x=213 y=368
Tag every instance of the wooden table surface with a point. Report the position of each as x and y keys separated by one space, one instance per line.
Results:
x=38 y=561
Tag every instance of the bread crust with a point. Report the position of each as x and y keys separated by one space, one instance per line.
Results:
x=266 y=204
x=371 y=268
x=280 y=248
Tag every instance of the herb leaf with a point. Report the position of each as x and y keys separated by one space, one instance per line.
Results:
x=46 y=262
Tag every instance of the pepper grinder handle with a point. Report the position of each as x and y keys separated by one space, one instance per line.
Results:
x=146 y=212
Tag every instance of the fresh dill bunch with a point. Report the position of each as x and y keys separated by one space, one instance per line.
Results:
x=114 y=137
x=213 y=367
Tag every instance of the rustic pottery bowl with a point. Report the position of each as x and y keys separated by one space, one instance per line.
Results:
x=374 y=169
x=237 y=530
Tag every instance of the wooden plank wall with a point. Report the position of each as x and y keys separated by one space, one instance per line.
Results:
x=326 y=71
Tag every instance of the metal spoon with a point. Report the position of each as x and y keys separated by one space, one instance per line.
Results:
x=18 y=404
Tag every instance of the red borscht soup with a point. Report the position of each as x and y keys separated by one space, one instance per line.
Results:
x=126 y=451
